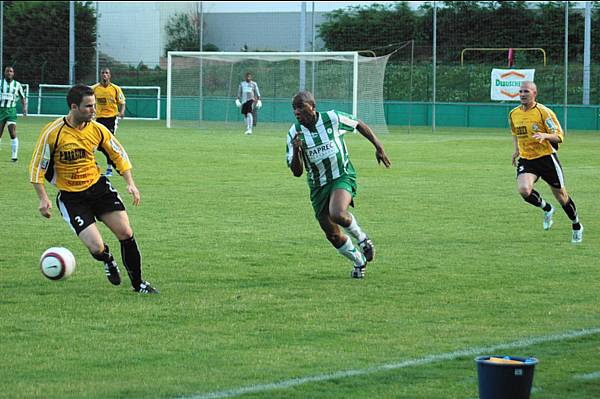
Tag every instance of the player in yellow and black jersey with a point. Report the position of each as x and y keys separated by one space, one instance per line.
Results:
x=537 y=135
x=110 y=104
x=64 y=155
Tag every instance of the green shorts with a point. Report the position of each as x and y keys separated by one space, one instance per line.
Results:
x=319 y=197
x=8 y=114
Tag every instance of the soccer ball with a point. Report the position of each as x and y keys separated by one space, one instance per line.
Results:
x=57 y=263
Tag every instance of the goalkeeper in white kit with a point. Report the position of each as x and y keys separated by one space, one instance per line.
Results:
x=248 y=97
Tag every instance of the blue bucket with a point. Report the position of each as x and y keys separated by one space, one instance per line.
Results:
x=505 y=377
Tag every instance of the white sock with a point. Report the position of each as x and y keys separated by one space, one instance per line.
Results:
x=355 y=230
x=349 y=251
x=14 y=144
x=249 y=120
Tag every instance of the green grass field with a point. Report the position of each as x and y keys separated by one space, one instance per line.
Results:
x=255 y=302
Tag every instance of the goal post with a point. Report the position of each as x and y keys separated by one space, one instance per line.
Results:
x=143 y=102
x=140 y=101
x=202 y=86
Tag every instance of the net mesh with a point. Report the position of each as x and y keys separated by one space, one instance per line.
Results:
x=204 y=86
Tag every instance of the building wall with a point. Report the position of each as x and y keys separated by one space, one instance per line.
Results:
x=129 y=32
x=260 y=31
x=134 y=32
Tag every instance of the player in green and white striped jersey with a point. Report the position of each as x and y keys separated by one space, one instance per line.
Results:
x=316 y=142
x=10 y=92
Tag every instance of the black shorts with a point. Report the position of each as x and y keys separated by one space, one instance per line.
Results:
x=81 y=209
x=247 y=107
x=547 y=167
x=110 y=123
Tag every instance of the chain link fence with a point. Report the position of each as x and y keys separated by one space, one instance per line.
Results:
x=467 y=41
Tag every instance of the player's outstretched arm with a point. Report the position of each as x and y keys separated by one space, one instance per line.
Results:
x=380 y=154
x=131 y=187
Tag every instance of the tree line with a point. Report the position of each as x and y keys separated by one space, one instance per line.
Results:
x=463 y=24
x=36 y=40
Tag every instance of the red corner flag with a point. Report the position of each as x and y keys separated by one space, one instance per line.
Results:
x=511 y=57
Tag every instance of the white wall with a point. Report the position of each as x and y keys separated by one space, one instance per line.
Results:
x=127 y=30
x=133 y=32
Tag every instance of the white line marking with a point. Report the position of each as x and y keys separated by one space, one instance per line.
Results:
x=590 y=376
x=394 y=366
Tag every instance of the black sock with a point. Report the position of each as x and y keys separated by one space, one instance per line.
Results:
x=105 y=256
x=534 y=199
x=132 y=260
x=571 y=211
x=547 y=208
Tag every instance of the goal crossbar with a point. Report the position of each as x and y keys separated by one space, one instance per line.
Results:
x=339 y=56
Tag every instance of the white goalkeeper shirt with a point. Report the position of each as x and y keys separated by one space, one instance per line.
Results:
x=248 y=91
x=324 y=151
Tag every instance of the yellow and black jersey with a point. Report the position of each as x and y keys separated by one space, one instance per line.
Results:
x=537 y=119
x=65 y=155
x=107 y=100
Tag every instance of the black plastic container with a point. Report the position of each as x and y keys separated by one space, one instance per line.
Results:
x=505 y=377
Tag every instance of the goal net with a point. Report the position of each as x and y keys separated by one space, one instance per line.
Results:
x=142 y=102
x=202 y=86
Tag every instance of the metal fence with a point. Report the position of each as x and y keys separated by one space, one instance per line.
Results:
x=442 y=60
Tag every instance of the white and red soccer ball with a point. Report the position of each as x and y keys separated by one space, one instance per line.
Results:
x=57 y=263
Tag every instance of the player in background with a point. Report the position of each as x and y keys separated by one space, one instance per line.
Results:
x=248 y=97
x=10 y=92
x=64 y=155
x=316 y=143
x=110 y=104
x=536 y=135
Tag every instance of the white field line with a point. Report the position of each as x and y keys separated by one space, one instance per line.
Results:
x=590 y=376
x=481 y=351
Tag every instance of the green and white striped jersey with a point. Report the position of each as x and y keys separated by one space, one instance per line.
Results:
x=10 y=93
x=324 y=151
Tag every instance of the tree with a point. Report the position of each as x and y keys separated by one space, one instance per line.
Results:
x=460 y=25
x=36 y=40
x=372 y=27
x=183 y=32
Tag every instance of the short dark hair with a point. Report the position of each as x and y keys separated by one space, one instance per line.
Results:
x=76 y=94
x=303 y=97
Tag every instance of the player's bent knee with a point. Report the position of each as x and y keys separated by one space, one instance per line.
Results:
x=335 y=239
x=340 y=217
x=96 y=249
x=337 y=218
x=124 y=234
x=563 y=197
x=525 y=191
